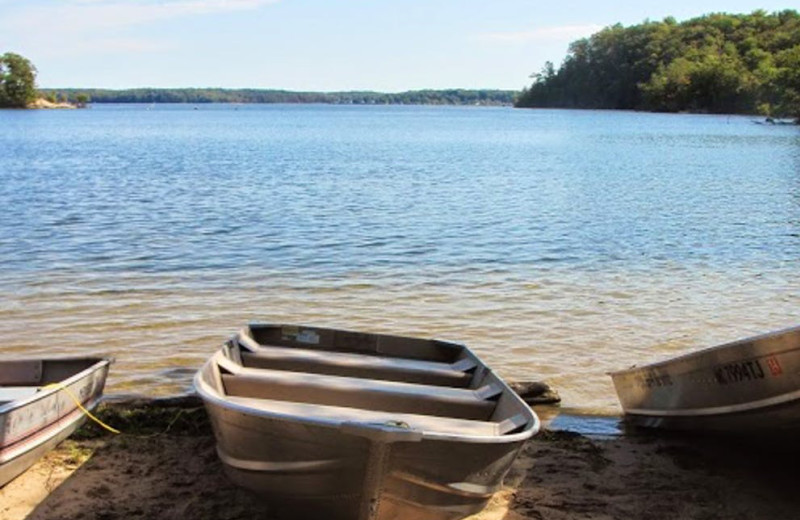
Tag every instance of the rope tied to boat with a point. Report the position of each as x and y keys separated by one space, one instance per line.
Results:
x=87 y=413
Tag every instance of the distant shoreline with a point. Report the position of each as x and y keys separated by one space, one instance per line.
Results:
x=480 y=97
x=207 y=96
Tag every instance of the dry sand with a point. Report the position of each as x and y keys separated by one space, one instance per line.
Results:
x=168 y=470
x=43 y=103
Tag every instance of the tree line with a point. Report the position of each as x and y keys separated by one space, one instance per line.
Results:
x=718 y=63
x=17 y=81
x=18 y=85
x=18 y=90
x=219 y=95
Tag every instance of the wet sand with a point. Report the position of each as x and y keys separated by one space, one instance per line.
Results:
x=164 y=467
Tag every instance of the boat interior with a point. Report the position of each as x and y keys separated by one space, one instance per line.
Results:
x=20 y=379
x=343 y=376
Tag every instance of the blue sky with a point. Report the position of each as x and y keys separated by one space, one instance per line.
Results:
x=320 y=45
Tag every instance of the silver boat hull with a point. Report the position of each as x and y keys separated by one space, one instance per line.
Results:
x=747 y=386
x=38 y=406
x=349 y=467
x=305 y=469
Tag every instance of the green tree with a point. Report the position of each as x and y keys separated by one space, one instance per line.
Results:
x=669 y=87
x=82 y=100
x=788 y=81
x=724 y=63
x=17 y=81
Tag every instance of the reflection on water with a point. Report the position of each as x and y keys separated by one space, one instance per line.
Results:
x=559 y=245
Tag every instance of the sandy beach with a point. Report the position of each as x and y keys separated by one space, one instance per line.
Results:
x=163 y=466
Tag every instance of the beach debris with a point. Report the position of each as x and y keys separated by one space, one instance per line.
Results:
x=535 y=392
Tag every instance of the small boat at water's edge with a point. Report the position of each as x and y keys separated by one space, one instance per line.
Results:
x=351 y=425
x=747 y=386
x=38 y=407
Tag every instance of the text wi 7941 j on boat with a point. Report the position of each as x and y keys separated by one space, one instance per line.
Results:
x=748 y=386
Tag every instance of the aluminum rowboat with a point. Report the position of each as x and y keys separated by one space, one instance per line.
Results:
x=38 y=407
x=747 y=386
x=330 y=423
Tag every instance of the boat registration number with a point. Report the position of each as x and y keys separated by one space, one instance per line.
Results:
x=747 y=370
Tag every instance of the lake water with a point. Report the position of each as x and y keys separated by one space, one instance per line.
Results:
x=558 y=244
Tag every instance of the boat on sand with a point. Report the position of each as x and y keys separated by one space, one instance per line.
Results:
x=42 y=401
x=351 y=425
x=746 y=386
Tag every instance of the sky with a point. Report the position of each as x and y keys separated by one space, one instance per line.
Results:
x=317 y=45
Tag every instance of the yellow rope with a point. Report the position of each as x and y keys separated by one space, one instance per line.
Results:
x=86 y=412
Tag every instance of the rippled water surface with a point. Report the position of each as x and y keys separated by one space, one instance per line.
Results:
x=558 y=244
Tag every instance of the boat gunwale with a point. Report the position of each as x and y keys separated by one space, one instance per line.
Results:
x=717 y=411
x=51 y=429
x=247 y=332
x=58 y=386
x=209 y=397
x=212 y=396
x=259 y=349
x=698 y=353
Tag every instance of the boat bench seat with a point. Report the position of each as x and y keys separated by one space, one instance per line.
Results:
x=458 y=374
x=15 y=393
x=445 y=425
x=23 y=373
x=367 y=394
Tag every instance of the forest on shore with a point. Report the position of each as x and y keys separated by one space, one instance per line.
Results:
x=18 y=90
x=219 y=95
x=17 y=81
x=718 y=63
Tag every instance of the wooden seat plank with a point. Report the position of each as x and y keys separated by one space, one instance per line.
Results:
x=359 y=393
x=344 y=414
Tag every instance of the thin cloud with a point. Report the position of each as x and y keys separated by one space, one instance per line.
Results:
x=543 y=34
x=83 y=15
x=60 y=27
x=107 y=45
